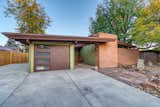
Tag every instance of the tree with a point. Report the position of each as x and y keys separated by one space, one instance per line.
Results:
x=146 y=31
x=30 y=16
x=12 y=44
x=117 y=17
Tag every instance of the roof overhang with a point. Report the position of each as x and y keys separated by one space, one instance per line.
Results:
x=27 y=38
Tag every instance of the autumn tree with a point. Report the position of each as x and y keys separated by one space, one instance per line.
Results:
x=146 y=30
x=29 y=15
x=117 y=17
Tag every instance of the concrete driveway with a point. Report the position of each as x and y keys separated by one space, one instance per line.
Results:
x=11 y=76
x=65 y=88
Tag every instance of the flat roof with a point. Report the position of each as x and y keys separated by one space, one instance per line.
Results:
x=125 y=44
x=120 y=43
x=24 y=38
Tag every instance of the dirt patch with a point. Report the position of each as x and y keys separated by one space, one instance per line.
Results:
x=147 y=80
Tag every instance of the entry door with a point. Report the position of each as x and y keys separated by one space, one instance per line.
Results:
x=59 y=57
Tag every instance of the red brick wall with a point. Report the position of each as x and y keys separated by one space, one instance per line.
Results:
x=127 y=56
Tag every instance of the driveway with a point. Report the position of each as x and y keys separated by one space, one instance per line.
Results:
x=11 y=76
x=65 y=88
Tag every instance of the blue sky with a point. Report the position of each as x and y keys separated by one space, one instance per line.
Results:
x=69 y=17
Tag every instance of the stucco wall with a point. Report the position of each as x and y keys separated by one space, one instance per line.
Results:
x=127 y=56
x=108 y=52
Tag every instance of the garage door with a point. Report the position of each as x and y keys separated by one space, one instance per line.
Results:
x=51 y=57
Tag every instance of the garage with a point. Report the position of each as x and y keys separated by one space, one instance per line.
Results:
x=56 y=52
x=48 y=57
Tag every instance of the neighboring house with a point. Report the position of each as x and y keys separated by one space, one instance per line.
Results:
x=53 y=52
x=3 y=48
x=150 y=56
x=11 y=48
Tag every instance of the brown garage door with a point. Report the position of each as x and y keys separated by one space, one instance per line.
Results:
x=51 y=57
x=59 y=57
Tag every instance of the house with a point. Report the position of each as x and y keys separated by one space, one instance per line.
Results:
x=54 y=52
x=3 y=48
x=150 y=56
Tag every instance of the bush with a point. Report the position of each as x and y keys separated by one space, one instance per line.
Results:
x=88 y=54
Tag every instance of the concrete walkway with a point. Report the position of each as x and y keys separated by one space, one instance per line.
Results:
x=78 y=88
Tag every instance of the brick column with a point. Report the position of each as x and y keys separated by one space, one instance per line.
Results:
x=107 y=52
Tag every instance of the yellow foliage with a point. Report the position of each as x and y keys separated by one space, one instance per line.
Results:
x=31 y=18
x=147 y=26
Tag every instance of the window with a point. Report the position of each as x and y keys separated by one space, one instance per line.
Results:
x=42 y=57
x=42 y=68
x=39 y=60
x=42 y=53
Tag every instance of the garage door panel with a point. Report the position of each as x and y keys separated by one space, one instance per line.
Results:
x=42 y=58
x=59 y=57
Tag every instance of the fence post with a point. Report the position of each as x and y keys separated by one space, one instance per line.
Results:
x=10 y=57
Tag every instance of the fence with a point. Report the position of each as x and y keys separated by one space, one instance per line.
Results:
x=127 y=56
x=10 y=57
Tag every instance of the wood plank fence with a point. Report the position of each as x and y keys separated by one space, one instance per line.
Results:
x=10 y=57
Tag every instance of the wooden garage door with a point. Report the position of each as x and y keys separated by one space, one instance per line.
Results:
x=59 y=57
x=51 y=57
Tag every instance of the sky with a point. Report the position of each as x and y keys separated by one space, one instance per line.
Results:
x=69 y=17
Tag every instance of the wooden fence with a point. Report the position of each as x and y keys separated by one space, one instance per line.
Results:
x=10 y=57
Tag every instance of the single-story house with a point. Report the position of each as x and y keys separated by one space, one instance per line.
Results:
x=3 y=48
x=54 y=52
x=150 y=56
